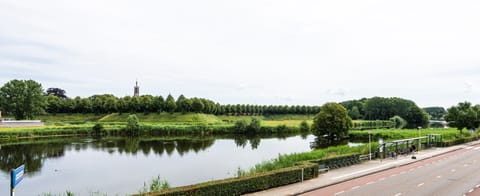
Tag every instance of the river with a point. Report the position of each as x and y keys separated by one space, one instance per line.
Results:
x=119 y=166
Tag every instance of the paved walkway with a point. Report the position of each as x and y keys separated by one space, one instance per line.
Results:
x=347 y=173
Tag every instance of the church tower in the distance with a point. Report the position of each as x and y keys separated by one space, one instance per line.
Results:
x=136 y=89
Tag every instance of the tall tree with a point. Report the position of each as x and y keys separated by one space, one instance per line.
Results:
x=158 y=104
x=197 y=105
x=436 y=113
x=463 y=115
x=332 y=121
x=183 y=104
x=57 y=92
x=22 y=98
x=170 y=104
x=53 y=104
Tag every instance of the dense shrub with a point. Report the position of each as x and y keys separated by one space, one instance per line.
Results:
x=247 y=184
x=304 y=126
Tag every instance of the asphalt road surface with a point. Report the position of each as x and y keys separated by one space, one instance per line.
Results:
x=450 y=174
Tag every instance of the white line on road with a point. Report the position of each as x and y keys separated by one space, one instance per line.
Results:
x=421 y=184
x=478 y=185
x=476 y=148
x=439 y=176
x=356 y=187
x=465 y=165
x=471 y=190
x=453 y=170
x=339 y=192
x=398 y=194
x=368 y=183
x=469 y=147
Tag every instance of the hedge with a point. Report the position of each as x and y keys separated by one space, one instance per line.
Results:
x=247 y=184
x=456 y=141
x=340 y=161
x=372 y=124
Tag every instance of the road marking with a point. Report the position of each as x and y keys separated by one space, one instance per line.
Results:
x=421 y=184
x=398 y=194
x=356 y=187
x=476 y=148
x=471 y=190
x=362 y=171
x=453 y=170
x=338 y=193
x=465 y=165
x=439 y=176
x=478 y=185
x=368 y=183
x=470 y=147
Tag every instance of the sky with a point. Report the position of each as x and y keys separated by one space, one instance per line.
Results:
x=249 y=51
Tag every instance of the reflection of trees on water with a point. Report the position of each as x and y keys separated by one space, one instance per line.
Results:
x=32 y=155
x=325 y=143
x=135 y=145
x=254 y=139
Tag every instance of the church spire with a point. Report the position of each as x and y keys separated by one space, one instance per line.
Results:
x=136 y=89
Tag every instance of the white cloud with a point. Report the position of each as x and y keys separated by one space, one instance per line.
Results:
x=265 y=52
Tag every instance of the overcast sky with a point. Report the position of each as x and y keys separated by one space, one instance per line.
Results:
x=248 y=51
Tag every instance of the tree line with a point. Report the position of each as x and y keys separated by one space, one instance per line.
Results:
x=151 y=104
x=380 y=108
x=26 y=98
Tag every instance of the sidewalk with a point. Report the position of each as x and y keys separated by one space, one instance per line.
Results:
x=347 y=173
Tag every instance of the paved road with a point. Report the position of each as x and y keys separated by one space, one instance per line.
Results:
x=453 y=173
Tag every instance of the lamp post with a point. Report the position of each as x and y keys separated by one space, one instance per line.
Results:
x=370 y=144
x=419 y=133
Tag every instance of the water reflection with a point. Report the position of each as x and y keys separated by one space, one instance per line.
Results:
x=124 y=164
x=33 y=153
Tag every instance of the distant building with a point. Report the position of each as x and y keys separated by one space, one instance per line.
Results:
x=7 y=122
x=136 y=89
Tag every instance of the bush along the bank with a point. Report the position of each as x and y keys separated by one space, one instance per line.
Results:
x=340 y=161
x=373 y=124
x=457 y=141
x=247 y=184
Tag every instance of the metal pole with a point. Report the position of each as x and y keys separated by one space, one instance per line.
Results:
x=419 y=144
x=370 y=145
x=12 y=188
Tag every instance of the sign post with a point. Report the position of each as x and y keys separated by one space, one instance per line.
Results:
x=16 y=177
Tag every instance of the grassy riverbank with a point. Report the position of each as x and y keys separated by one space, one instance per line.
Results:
x=153 y=123
x=283 y=161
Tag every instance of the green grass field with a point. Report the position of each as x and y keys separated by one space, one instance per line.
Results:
x=163 y=118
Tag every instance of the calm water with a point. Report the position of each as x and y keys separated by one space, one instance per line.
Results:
x=121 y=165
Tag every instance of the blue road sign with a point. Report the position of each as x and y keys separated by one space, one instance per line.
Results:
x=17 y=176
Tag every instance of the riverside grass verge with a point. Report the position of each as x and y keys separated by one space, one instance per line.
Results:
x=448 y=136
x=119 y=129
